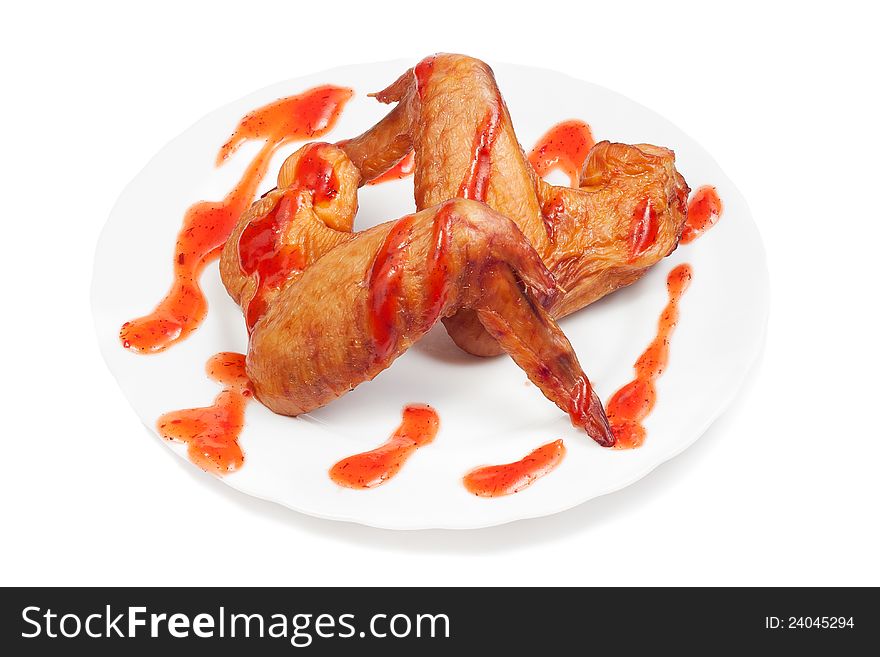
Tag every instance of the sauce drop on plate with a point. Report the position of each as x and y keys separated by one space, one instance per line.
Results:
x=211 y=433
x=630 y=405
x=370 y=469
x=385 y=279
x=565 y=146
x=499 y=480
x=207 y=224
x=704 y=210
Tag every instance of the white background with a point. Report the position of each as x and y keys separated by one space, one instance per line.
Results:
x=783 y=489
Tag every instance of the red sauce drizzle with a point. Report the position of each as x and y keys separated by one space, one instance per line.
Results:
x=423 y=72
x=211 y=433
x=370 y=469
x=385 y=279
x=438 y=264
x=207 y=224
x=476 y=181
x=498 y=480
x=644 y=229
x=630 y=405
x=304 y=116
x=385 y=282
x=551 y=211
x=402 y=169
x=704 y=210
x=565 y=146
x=583 y=409
x=261 y=249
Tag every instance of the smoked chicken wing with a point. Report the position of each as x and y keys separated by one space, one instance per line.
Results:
x=627 y=213
x=328 y=309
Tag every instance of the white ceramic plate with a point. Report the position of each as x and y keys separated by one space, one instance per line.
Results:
x=489 y=412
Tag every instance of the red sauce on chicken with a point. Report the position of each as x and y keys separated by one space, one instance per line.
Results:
x=262 y=250
x=630 y=405
x=402 y=169
x=565 y=146
x=370 y=469
x=498 y=480
x=644 y=229
x=437 y=264
x=704 y=210
x=304 y=116
x=207 y=224
x=423 y=72
x=211 y=433
x=385 y=282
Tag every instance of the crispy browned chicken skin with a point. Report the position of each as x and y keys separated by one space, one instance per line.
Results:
x=626 y=215
x=356 y=301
